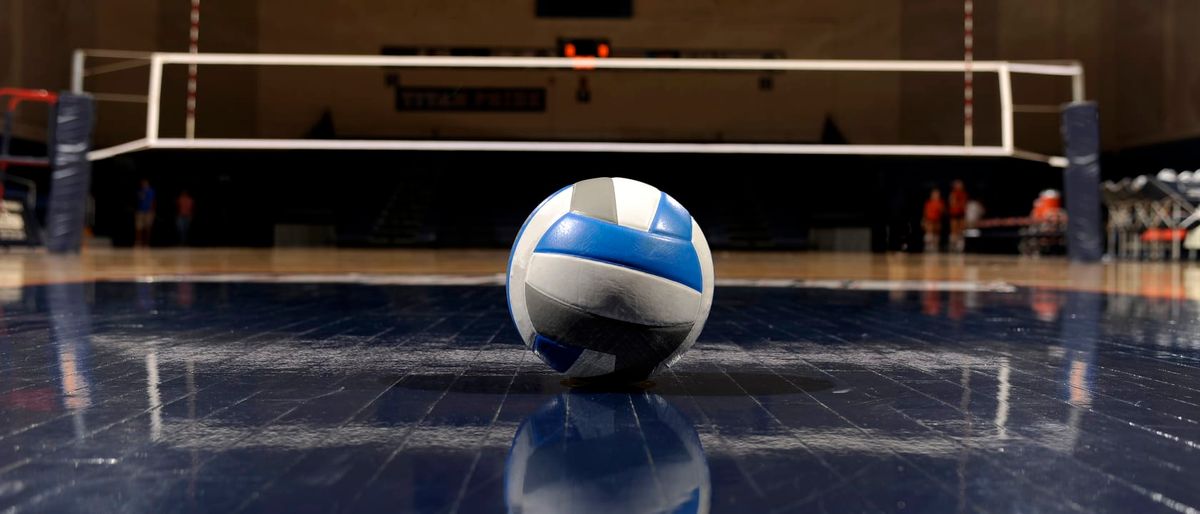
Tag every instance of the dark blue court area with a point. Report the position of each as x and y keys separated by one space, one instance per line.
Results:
x=288 y=397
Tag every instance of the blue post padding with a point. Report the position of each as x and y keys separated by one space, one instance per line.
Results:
x=1081 y=181
x=558 y=356
x=672 y=219
x=71 y=176
x=668 y=257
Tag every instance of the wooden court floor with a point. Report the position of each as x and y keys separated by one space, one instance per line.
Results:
x=309 y=380
x=1153 y=279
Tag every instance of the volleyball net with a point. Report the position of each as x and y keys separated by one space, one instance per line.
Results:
x=88 y=64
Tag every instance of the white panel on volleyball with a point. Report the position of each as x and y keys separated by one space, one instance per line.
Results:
x=612 y=291
x=638 y=204
x=709 y=278
x=539 y=222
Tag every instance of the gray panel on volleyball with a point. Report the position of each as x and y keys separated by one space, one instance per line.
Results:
x=1081 y=181
x=71 y=172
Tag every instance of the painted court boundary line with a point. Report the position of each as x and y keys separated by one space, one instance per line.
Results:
x=498 y=279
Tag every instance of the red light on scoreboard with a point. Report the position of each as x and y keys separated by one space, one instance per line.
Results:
x=584 y=48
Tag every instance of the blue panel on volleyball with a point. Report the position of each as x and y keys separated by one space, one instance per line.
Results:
x=558 y=356
x=1081 y=181
x=668 y=257
x=71 y=177
x=672 y=219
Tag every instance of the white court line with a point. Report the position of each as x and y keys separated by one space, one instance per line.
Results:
x=876 y=285
x=333 y=278
x=498 y=279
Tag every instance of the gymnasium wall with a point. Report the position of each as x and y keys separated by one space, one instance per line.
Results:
x=36 y=38
x=624 y=105
x=1141 y=60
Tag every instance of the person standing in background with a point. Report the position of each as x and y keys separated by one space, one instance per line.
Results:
x=935 y=208
x=143 y=217
x=975 y=212
x=184 y=206
x=958 y=214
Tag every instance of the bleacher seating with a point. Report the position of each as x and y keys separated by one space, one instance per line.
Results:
x=1150 y=216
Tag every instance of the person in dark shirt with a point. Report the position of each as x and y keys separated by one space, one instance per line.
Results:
x=143 y=217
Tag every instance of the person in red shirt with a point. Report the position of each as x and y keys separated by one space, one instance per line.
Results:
x=958 y=214
x=1048 y=207
x=935 y=208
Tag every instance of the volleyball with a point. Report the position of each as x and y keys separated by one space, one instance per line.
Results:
x=610 y=278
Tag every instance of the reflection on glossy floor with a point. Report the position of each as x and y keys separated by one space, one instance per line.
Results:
x=251 y=397
x=1158 y=279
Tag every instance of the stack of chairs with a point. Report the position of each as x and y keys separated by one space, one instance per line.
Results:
x=1149 y=217
x=1047 y=225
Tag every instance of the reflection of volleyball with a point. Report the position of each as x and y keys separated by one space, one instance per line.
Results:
x=610 y=278
x=587 y=453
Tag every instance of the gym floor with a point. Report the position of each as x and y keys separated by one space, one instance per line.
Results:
x=1155 y=279
x=355 y=380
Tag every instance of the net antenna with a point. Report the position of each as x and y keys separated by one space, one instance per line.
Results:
x=157 y=61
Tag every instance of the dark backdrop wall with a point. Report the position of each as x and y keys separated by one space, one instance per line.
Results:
x=480 y=199
x=1142 y=67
